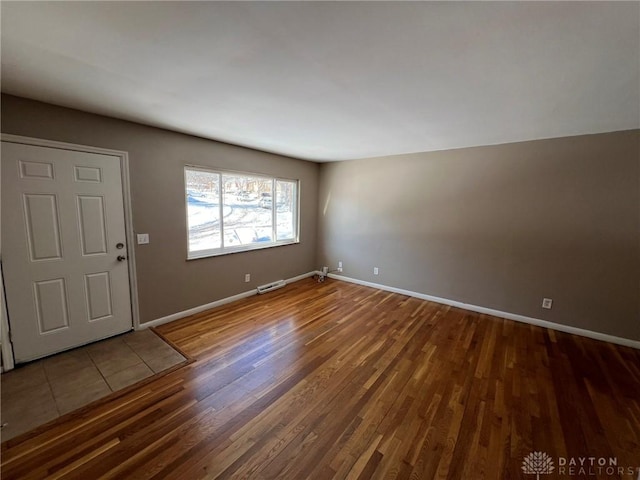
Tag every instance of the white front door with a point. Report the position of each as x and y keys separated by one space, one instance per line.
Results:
x=63 y=248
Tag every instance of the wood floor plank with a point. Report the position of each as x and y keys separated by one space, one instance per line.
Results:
x=340 y=381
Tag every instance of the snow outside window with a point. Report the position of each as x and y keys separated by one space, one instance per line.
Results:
x=232 y=212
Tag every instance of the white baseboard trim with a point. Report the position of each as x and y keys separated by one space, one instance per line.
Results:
x=300 y=277
x=497 y=313
x=217 y=303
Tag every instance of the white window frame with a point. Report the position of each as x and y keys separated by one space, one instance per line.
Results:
x=214 y=252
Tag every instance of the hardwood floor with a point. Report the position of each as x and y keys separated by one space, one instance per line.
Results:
x=336 y=380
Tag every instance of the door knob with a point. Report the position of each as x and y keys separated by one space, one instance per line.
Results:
x=121 y=258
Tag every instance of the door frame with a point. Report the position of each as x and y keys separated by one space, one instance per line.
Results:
x=128 y=213
x=5 y=339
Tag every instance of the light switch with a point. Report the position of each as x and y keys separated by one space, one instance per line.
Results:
x=143 y=238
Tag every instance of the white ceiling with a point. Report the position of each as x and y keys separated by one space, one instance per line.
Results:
x=335 y=80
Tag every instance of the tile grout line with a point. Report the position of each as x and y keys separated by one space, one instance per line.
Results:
x=86 y=350
x=100 y=372
x=53 y=395
x=153 y=372
x=120 y=371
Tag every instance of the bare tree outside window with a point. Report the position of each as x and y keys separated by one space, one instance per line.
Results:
x=229 y=212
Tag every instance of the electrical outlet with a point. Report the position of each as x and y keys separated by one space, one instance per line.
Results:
x=339 y=266
x=325 y=271
x=143 y=238
x=375 y=270
x=247 y=277
x=547 y=303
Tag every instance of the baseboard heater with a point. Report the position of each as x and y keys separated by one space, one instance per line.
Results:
x=271 y=286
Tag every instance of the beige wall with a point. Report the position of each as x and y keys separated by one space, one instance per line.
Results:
x=167 y=283
x=499 y=227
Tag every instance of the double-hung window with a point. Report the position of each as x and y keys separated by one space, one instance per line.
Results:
x=233 y=212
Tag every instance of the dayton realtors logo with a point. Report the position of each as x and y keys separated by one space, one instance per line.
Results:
x=537 y=463
x=540 y=463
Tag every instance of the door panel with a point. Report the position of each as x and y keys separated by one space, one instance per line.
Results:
x=88 y=174
x=36 y=170
x=51 y=305
x=98 y=288
x=43 y=230
x=62 y=216
x=93 y=234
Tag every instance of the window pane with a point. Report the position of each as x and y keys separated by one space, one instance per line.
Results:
x=286 y=209
x=256 y=211
x=203 y=210
x=248 y=217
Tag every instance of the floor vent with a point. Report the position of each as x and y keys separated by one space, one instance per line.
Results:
x=271 y=286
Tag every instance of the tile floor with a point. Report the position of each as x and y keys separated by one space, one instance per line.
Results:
x=46 y=389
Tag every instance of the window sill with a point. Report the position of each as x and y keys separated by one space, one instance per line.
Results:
x=244 y=248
